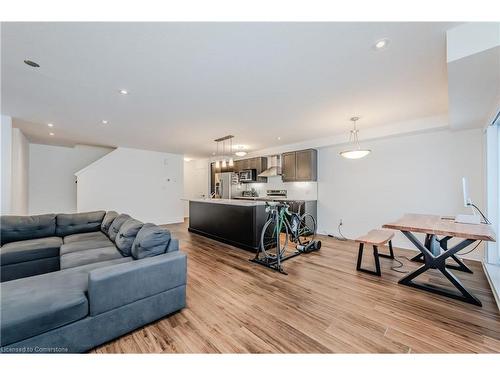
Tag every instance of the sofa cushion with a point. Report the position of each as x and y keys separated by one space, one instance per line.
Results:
x=80 y=258
x=37 y=304
x=150 y=241
x=73 y=247
x=27 y=250
x=107 y=221
x=20 y=228
x=83 y=222
x=126 y=236
x=115 y=227
x=85 y=237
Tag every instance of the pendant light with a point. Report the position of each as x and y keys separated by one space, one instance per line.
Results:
x=231 y=161
x=217 y=164
x=224 y=154
x=355 y=152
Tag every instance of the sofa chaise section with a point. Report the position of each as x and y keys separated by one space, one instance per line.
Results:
x=101 y=301
x=110 y=274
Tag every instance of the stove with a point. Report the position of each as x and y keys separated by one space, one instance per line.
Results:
x=276 y=194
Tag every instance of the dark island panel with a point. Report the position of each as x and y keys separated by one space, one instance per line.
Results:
x=237 y=225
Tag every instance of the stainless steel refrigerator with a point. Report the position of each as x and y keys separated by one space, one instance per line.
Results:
x=223 y=185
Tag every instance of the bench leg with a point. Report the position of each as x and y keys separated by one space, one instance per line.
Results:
x=391 y=252
x=377 y=271
x=360 y=256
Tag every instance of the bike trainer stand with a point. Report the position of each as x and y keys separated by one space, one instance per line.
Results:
x=275 y=264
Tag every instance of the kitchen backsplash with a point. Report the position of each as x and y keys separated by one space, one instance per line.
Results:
x=295 y=190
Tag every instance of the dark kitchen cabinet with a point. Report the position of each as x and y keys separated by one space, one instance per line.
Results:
x=300 y=165
x=237 y=166
x=259 y=164
x=288 y=167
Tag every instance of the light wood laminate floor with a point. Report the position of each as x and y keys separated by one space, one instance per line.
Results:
x=323 y=306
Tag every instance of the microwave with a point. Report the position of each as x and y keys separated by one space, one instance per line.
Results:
x=248 y=175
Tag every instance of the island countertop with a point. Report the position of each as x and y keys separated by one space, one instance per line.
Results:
x=233 y=202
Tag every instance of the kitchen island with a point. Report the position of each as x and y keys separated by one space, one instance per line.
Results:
x=235 y=222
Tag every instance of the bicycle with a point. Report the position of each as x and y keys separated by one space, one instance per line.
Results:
x=282 y=226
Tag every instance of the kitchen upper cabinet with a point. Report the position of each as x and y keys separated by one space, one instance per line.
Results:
x=237 y=166
x=245 y=164
x=288 y=166
x=300 y=165
x=259 y=164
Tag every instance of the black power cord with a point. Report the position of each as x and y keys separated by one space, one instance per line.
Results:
x=470 y=251
x=486 y=221
x=342 y=237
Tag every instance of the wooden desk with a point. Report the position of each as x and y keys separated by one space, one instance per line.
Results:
x=434 y=252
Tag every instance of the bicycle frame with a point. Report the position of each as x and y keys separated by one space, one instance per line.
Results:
x=280 y=214
x=282 y=219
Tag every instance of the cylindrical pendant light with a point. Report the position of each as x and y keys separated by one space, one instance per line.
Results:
x=217 y=164
x=231 y=161
x=224 y=154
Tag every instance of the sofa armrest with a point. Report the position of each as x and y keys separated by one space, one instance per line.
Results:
x=118 y=285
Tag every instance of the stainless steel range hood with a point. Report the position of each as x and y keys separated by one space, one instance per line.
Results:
x=274 y=167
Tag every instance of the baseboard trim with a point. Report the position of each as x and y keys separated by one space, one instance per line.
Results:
x=495 y=289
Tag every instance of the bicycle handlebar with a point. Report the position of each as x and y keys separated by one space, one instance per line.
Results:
x=278 y=205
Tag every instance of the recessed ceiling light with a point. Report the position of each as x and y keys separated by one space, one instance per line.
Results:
x=381 y=44
x=51 y=134
x=124 y=92
x=240 y=153
x=187 y=159
x=50 y=125
x=279 y=138
x=105 y=122
x=31 y=63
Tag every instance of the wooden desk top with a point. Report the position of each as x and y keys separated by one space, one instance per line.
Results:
x=434 y=224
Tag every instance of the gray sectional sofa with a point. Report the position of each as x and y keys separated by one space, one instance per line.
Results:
x=70 y=282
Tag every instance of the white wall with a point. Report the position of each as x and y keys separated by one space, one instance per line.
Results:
x=407 y=174
x=6 y=163
x=52 y=185
x=20 y=173
x=196 y=181
x=147 y=185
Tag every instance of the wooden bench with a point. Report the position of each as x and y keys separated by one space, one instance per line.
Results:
x=376 y=237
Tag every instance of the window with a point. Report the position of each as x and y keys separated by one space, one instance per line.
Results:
x=492 y=186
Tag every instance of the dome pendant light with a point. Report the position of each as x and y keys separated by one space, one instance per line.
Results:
x=356 y=152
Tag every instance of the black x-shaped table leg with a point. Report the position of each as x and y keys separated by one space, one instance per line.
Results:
x=460 y=266
x=434 y=261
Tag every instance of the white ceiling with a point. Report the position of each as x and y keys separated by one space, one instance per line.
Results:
x=190 y=83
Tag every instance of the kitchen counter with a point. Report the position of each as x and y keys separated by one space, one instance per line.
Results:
x=280 y=199
x=234 y=202
x=232 y=221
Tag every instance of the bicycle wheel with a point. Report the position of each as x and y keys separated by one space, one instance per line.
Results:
x=307 y=229
x=273 y=242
